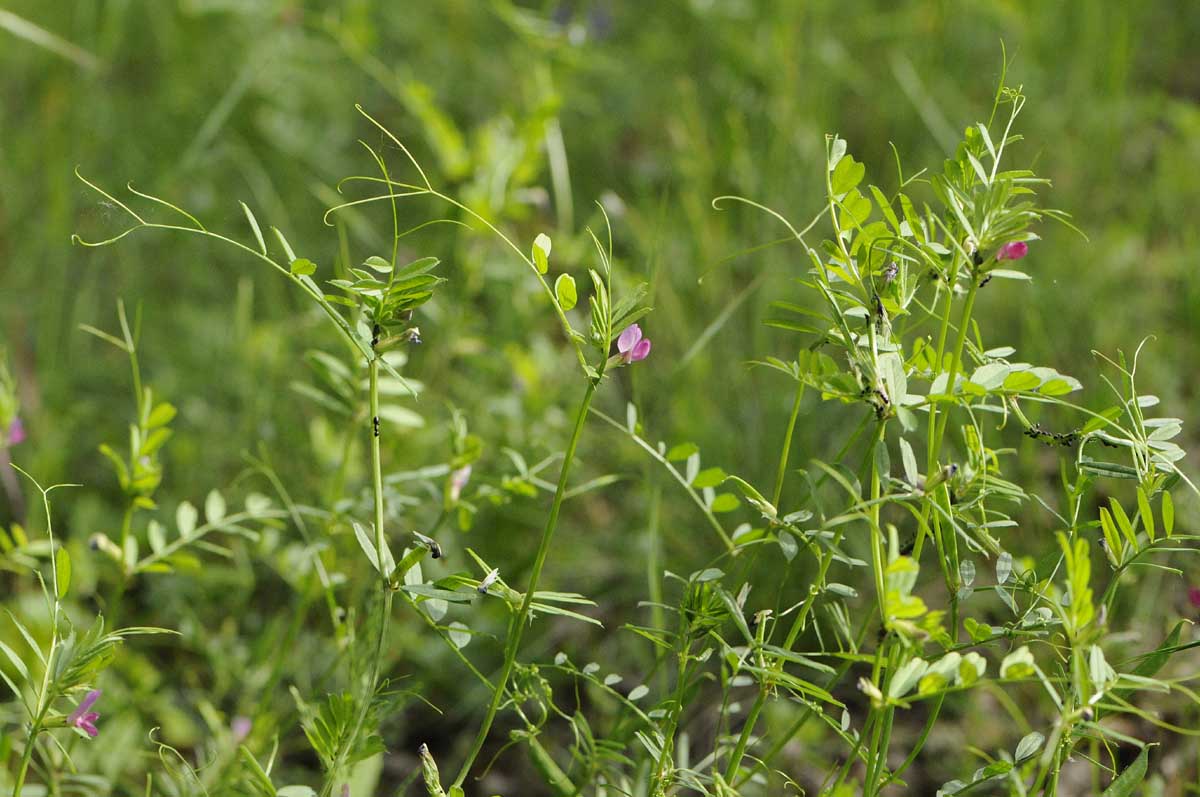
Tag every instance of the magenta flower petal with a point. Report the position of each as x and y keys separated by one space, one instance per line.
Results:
x=1194 y=597
x=640 y=351
x=82 y=717
x=241 y=727
x=87 y=723
x=16 y=432
x=458 y=480
x=88 y=701
x=629 y=338
x=1013 y=250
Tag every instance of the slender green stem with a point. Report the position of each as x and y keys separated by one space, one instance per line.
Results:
x=44 y=697
x=855 y=752
x=113 y=605
x=517 y=624
x=27 y=755
x=951 y=565
x=735 y=760
x=659 y=779
x=920 y=745
x=878 y=557
x=372 y=682
x=697 y=499
x=654 y=572
x=787 y=446
x=956 y=358
x=808 y=713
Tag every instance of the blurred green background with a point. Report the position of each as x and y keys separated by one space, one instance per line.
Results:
x=532 y=113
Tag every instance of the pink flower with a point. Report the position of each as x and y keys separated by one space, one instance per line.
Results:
x=84 y=719
x=1013 y=250
x=458 y=480
x=632 y=346
x=16 y=432
x=1194 y=597
x=241 y=729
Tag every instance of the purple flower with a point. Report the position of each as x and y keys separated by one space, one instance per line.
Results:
x=16 y=432
x=632 y=346
x=84 y=719
x=345 y=790
x=458 y=480
x=241 y=728
x=1013 y=250
x=1194 y=597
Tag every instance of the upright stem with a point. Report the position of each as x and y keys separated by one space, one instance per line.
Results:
x=377 y=487
x=735 y=760
x=956 y=359
x=43 y=701
x=27 y=755
x=654 y=573
x=380 y=542
x=936 y=436
x=939 y=438
x=787 y=446
x=516 y=626
x=659 y=779
x=739 y=751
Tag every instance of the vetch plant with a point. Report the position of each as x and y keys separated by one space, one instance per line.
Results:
x=72 y=661
x=383 y=303
x=846 y=602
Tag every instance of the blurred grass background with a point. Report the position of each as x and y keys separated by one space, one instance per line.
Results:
x=532 y=112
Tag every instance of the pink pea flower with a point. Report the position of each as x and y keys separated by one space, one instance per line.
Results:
x=458 y=480
x=1013 y=250
x=84 y=719
x=16 y=432
x=632 y=346
x=241 y=729
x=1194 y=597
x=345 y=790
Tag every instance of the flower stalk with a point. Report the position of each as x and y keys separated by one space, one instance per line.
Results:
x=517 y=623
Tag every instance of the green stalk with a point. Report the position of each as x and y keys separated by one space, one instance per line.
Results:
x=517 y=625
x=808 y=713
x=735 y=760
x=43 y=703
x=113 y=604
x=826 y=559
x=951 y=567
x=956 y=359
x=34 y=730
x=844 y=770
x=653 y=572
x=936 y=436
x=878 y=558
x=920 y=745
x=384 y=585
x=658 y=780
x=787 y=446
x=887 y=649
